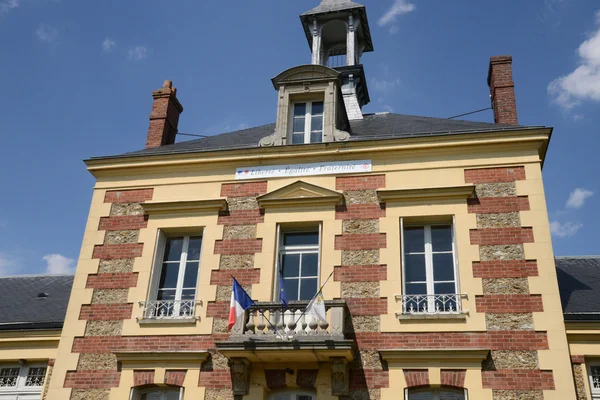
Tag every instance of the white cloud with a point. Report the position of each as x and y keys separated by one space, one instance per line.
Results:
x=108 y=45
x=59 y=264
x=385 y=85
x=564 y=230
x=578 y=197
x=138 y=53
x=7 y=5
x=8 y=265
x=47 y=33
x=583 y=83
x=399 y=7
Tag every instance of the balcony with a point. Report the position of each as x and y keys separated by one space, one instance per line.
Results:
x=270 y=333
x=162 y=311
x=437 y=306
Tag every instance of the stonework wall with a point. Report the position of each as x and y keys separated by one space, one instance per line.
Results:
x=506 y=300
x=97 y=371
x=360 y=275
x=237 y=253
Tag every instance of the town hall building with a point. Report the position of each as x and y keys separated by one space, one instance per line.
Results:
x=429 y=238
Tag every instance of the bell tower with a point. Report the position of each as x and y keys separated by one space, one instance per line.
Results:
x=338 y=35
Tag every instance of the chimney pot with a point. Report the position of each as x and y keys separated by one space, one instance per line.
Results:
x=164 y=118
x=502 y=90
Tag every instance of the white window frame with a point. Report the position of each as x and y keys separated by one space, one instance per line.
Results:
x=435 y=393
x=136 y=393
x=428 y=251
x=594 y=391
x=20 y=389
x=158 y=266
x=307 y=121
x=283 y=250
x=294 y=393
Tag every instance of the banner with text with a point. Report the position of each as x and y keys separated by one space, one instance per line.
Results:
x=290 y=170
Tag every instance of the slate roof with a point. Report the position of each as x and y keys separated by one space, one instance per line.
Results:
x=373 y=126
x=21 y=308
x=579 y=284
x=333 y=5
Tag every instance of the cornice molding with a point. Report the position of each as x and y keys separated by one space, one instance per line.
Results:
x=172 y=356
x=174 y=207
x=538 y=137
x=408 y=356
x=440 y=193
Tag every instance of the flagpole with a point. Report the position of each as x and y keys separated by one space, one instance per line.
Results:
x=261 y=313
x=320 y=290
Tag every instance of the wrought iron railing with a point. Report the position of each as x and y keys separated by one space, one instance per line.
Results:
x=334 y=58
x=169 y=309
x=431 y=304
x=270 y=319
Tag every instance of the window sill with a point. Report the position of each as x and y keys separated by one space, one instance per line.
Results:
x=166 y=321
x=419 y=317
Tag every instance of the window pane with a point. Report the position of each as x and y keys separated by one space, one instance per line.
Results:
x=166 y=295
x=168 y=276
x=441 y=238
x=303 y=397
x=291 y=288
x=308 y=288
x=290 y=265
x=316 y=137
x=188 y=294
x=310 y=264
x=416 y=288
x=414 y=240
x=173 y=249
x=35 y=377
x=316 y=124
x=299 y=109
x=443 y=267
x=301 y=239
x=414 y=270
x=445 y=288
x=191 y=275
x=317 y=107
x=299 y=124
x=452 y=395
x=8 y=377
x=298 y=138
x=194 y=248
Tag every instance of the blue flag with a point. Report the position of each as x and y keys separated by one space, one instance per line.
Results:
x=282 y=294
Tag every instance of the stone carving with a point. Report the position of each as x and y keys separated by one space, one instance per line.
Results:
x=240 y=369
x=340 y=136
x=340 y=377
x=271 y=140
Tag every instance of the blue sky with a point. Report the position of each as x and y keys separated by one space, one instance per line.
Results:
x=77 y=78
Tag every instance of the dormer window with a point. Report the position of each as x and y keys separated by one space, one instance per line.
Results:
x=307 y=124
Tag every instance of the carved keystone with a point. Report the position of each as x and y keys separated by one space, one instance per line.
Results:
x=240 y=376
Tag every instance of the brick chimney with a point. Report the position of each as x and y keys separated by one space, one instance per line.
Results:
x=502 y=90
x=164 y=117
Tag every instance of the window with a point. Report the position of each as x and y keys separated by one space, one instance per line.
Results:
x=594 y=372
x=299 y=264
x=176 y=278
x=429 y=272
x=156 y=394
x=307 y=123
x=442 y=394
x=293 y=396
x=22 y=382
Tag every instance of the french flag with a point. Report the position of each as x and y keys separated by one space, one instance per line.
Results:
x=240 y=302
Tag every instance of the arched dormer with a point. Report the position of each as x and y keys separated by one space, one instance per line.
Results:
x=310 y=107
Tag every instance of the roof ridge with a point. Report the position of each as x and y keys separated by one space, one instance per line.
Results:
x=35 y=276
